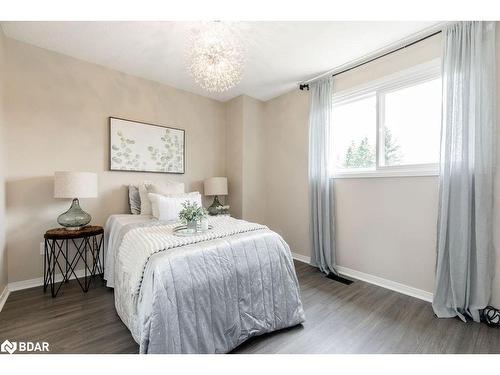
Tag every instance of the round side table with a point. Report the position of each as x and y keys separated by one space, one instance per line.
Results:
x=59 y=246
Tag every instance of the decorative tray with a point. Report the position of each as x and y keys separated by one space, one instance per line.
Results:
x=182 y=231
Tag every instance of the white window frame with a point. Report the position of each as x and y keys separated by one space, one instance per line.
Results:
x=418 y=74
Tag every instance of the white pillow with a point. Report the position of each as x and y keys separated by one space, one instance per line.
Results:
x=167 y=208
x=147 y=187
x=154 y=199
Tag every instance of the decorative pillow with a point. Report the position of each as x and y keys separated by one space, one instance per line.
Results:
x=146 y=187
x=167 y=208
x=154 y=198
x=134 y=199
x=170 y=189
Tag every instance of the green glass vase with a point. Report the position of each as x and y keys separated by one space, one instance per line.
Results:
x=75 y=218
x=214 y=208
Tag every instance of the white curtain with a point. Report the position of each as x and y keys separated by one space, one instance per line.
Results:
x=465 y=244
x=321 y=190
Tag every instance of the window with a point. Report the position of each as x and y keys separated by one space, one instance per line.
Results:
x=390 y=127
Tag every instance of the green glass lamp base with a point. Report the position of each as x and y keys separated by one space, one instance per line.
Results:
x=213 y=209
x=75 y=218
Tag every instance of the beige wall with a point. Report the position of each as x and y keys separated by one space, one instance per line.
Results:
x=3 y=251
x=234 y=155
x=286 y=124
x=254 y=160
x=57 y=110
x=246 y=159
x=385 y=226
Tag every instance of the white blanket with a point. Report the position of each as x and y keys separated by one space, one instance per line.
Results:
x=113 y=233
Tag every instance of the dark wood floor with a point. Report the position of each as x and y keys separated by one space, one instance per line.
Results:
x=359 y=318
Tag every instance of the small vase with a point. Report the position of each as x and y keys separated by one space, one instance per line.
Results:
x=191 y=226
x=214 y=209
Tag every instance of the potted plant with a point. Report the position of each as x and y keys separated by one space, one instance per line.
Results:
x=190 y=214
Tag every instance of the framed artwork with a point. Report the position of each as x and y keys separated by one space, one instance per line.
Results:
x=141 y=147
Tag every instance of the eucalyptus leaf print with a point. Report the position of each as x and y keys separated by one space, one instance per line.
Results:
x=169 y=157
x=136 y=146
x=123 y=155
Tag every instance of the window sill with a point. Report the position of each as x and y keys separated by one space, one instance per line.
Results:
x=387 y=173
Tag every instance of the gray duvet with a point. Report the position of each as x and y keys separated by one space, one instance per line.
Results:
x=210 y=299
x=208 y=296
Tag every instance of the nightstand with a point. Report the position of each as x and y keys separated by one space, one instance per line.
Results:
x=64 y=249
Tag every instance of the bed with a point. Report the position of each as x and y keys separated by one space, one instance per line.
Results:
x=199 y=294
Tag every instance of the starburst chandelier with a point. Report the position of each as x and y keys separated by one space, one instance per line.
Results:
x=215 y=56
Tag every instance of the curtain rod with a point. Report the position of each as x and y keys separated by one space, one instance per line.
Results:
x=305 y=86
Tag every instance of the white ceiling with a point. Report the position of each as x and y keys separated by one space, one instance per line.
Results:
x=279 y=54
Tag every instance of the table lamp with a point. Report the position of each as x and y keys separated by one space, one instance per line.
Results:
x=215 y=186
x=75 y=185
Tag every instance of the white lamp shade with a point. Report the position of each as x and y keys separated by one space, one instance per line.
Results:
x=75 y=185
x=215 y=186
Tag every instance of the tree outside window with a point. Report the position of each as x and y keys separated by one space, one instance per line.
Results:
x=362 y=154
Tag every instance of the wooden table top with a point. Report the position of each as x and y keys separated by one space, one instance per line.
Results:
x=63 y=233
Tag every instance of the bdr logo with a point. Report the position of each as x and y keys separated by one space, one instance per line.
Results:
x=24 y=346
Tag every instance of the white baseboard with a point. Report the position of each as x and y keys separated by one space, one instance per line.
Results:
x=32 y=283
x=375 y=280
x=301 y=258
x=4 y=296
x=388 y=284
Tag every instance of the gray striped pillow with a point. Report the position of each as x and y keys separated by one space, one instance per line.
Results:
x=134 y=199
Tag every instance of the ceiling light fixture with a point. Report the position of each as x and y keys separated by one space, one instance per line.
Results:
x=215 y=56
